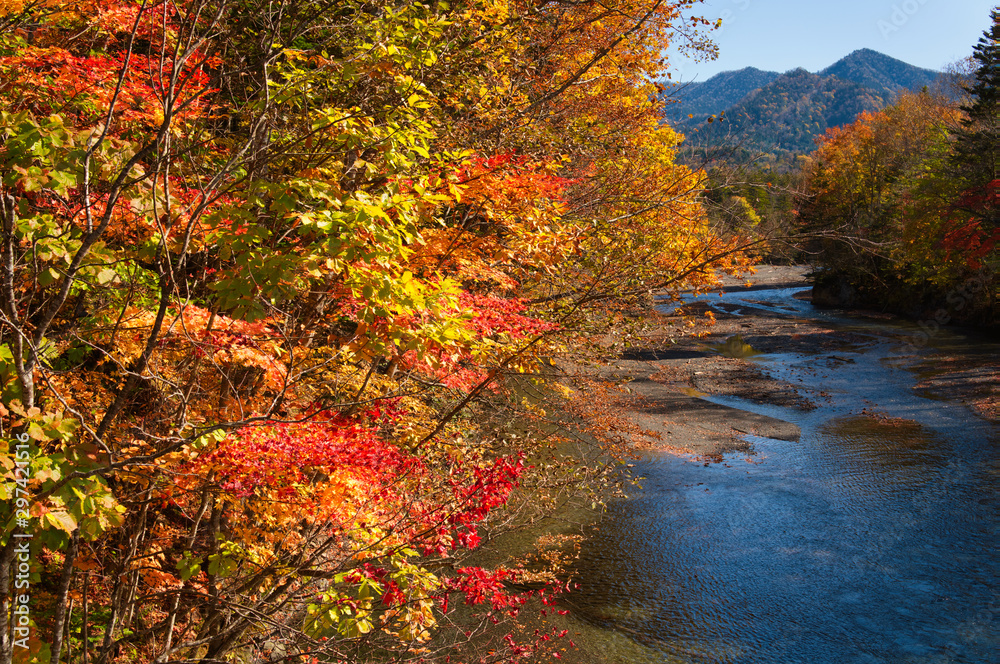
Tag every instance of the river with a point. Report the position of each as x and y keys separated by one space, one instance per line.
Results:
x=870 y=539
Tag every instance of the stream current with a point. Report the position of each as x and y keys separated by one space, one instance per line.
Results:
x=869 y=540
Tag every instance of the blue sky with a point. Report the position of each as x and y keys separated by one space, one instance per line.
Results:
x=779 y=35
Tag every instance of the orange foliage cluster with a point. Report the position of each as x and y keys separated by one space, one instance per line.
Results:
x=269 y=273
x=884 y=179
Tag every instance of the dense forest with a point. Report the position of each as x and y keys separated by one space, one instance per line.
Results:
x=285 y=291
x=909 y=201
x=787 y=114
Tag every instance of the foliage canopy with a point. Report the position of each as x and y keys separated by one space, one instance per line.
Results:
x=266 y=273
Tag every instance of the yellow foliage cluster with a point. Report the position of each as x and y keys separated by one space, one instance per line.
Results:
x=285 y=266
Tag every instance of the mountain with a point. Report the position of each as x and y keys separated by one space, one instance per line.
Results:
x=877 y=71
x=715 y=95
x=782 y=114
x=788 y=113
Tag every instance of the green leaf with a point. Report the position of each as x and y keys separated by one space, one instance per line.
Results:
x=106 y=276
x=63 y=521
x=48 y=277
x=188 y=566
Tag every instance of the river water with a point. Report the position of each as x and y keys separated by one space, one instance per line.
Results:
x=868 y=540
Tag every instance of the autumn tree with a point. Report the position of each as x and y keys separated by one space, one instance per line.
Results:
x=266 y=273
x=977 y=143
x=887 y=217
x=862 y=175
x=908 y=197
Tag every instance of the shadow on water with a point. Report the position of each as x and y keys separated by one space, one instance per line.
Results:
x=872 y=539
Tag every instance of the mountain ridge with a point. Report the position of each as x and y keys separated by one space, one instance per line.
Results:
x=717 y=93
x=784 y=113
x=877 y=70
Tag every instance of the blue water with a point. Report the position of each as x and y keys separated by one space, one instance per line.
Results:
x=869 y=540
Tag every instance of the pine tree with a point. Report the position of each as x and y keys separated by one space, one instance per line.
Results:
x=977 y=148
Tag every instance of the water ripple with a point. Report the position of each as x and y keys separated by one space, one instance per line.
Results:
x=870 y=540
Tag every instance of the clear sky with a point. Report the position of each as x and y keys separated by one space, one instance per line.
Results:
x=779 y=35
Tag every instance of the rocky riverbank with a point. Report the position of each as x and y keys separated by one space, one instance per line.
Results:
x=668 y=370
x=666 y=373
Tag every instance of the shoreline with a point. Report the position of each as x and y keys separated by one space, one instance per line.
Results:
x=667 y=372
x=664 y=376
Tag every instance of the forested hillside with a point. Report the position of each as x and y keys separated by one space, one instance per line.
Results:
x=782 y=115
x=787 y=114
x=276 y=279
x=881 y=73
x=691 y=103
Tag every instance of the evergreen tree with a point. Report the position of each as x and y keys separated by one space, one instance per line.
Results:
x=977 y=148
